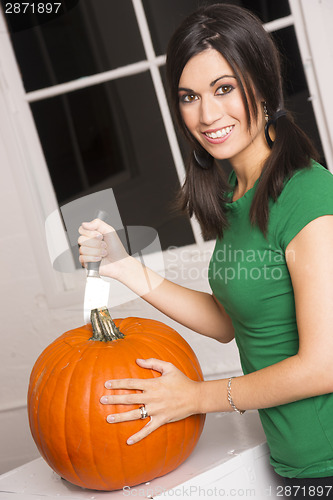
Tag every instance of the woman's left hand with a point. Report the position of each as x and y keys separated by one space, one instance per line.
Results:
x=168 y=398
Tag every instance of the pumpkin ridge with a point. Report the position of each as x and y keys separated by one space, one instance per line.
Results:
x=165 y=428
x=133 y=374
x=64 y=422
x=47 y=359
x=189 y=437
x=182 y=422
x=66 y=352
x=137 y=342
x=167 y=438
x=42 y=363
x=170 y=349
x=164 y=333
x=119 y=457
x=180 y=453
x=126 y=480
x=36 y=379
x=68 y=385
x=147 y=336
x=186 y=371
x=90 y=430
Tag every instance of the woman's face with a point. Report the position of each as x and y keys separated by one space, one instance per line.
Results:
x=212 y=108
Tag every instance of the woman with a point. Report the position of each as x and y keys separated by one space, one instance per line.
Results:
x=271 y=271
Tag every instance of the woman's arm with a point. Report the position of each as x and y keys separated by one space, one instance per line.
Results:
x=198 y=311
x=308 y=373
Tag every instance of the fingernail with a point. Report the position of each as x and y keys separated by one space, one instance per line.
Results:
x=130 y=441
x=104 y=400
x=104 y=253
x=110 y=419
x=107 y=385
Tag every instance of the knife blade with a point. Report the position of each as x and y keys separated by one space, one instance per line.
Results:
x=97 y=290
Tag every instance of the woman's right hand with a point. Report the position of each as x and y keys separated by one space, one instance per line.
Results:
x=100 y=242
x=198 y=311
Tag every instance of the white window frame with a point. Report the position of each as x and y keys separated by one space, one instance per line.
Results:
x=28 y=162
x=313 y=20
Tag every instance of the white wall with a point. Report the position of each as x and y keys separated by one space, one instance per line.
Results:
x=27 y=322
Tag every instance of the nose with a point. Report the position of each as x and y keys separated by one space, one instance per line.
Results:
x=210 y=110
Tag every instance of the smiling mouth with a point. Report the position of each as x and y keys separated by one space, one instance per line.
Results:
x=219 y=133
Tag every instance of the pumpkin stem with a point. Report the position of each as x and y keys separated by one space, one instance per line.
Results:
x=103 y=326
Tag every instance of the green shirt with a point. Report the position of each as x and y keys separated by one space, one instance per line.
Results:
x=249 y=276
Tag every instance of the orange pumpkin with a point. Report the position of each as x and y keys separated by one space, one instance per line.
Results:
x=68 y=422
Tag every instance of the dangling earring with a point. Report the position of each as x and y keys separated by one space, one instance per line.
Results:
x=272 y=121
x=265 y=112
x=267 y=125
x=203 y=159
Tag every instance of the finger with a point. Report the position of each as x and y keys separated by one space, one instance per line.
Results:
x=88 y=233
x=85 y=259
x=127 y=383
x=151 y=426
x=91 y=241
x=122 y=399
x=155 y=364
x=92 y=255
x=98 y=225
x=125 y=416
x=95 y=251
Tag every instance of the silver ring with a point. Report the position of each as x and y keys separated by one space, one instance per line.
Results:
x=144 y=413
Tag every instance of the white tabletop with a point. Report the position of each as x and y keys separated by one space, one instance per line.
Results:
x=231 y=454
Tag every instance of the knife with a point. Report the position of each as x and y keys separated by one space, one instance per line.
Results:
x=97 y=290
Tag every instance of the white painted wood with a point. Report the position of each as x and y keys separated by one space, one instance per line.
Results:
x=313 y=25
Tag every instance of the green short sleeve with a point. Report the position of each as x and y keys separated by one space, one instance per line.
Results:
x=305 y=197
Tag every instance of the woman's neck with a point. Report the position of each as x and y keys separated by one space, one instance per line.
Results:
x=245 y=181
x=248 y=170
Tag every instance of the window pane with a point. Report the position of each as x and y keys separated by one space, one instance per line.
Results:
x=165 y=15
x=163 y=18
x=267 y=10
x=112 y=135
x=90 y=38
x=296 y=89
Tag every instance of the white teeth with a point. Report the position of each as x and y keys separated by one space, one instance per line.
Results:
x=219 y=133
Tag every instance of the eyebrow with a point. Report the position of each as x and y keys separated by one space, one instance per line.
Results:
x=220 y=78
x=211 y=84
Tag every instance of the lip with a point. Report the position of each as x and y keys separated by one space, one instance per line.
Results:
x=218 y=140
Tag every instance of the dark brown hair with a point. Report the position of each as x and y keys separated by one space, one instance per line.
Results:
x=239 y=36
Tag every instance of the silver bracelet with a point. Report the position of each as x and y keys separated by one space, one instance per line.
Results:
x=232 y=404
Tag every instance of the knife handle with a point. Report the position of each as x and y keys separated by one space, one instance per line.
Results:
x=93 y=267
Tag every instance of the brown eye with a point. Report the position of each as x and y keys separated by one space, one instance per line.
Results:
x=188 y=98
x=224 y=89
